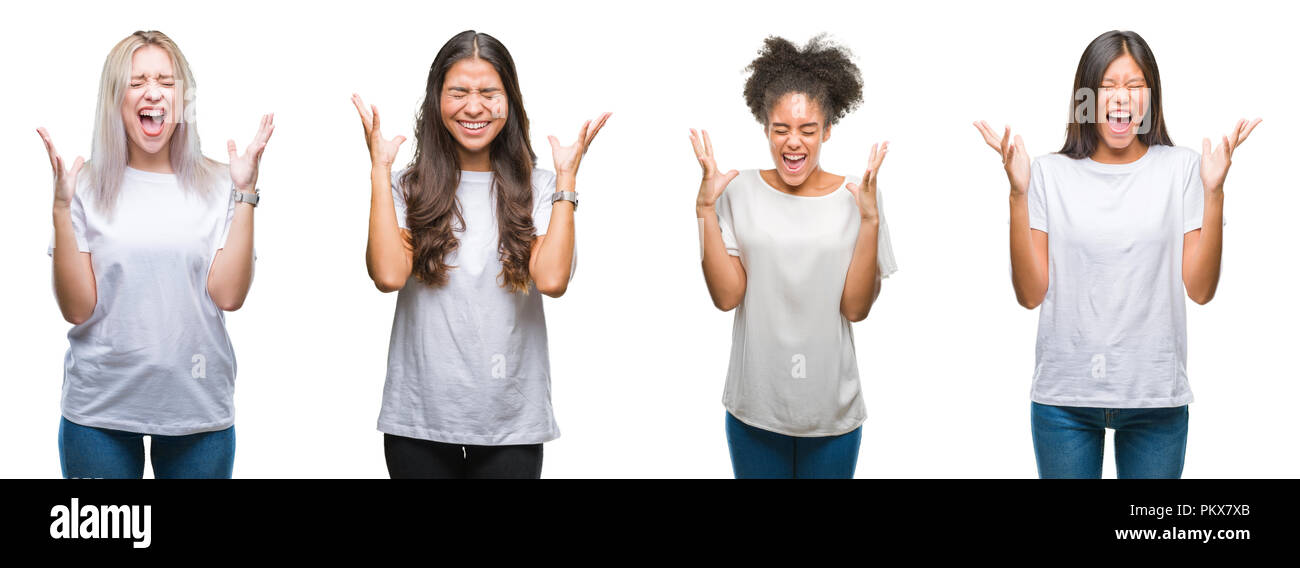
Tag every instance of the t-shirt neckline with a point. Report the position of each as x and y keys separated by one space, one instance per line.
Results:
x=759 y=174
x=141 y=175
x=1126 y=167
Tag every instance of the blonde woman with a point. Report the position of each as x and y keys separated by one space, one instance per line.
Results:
x=152 y=244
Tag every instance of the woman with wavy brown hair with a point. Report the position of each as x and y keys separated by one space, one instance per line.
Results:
x=468 y=235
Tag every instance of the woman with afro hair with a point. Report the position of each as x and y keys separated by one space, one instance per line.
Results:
x=800 y=252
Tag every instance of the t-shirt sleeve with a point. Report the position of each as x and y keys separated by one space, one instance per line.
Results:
x=399 y=199
x=543 y=189
x=1037 y=198
x=885 y=262
x=77 y=211
x=725 y=221
x=1194 y=197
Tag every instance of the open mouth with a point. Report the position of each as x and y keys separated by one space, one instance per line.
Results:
x=473 y=127
x=151 y=121
x=1119 y=121
x=794 y=162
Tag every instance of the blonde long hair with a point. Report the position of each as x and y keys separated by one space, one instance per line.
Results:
x=107 y=167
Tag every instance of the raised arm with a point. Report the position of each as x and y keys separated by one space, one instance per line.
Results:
x=723 y=273
x=231 y=274
x=73 y=275
x=388 y=248
x=1028 y=246
x=550 y=260
x=1203 y=248
x=862 y=284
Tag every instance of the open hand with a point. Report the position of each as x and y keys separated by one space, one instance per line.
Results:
x=568 y=157
x=382 y=152
x=1014 y=157
x=243 y=168
x=1214 y=165
x=865 y=192
x=713 y=182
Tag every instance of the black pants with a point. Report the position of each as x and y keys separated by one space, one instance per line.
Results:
x=411 y=458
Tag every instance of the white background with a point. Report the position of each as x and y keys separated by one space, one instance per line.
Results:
x=638 y=352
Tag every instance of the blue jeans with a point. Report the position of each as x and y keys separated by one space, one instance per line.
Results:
x=761 y=454
x=1069 y=441
x=101 y=453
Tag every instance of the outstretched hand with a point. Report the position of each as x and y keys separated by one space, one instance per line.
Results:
x=865 y=192
x=568 y=157
x=243 y=168
x=1014 y=157
x=713 y=182
x=1215 y=164
x=65 y=179
x=382 y=152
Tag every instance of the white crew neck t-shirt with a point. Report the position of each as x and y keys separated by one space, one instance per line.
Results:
x=1112 y=329
x=154 y=357
x=794 y=367
x=468 y=361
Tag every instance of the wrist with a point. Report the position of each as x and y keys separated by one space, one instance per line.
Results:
x=61 y=206
x=704 y=211
x=566 y=181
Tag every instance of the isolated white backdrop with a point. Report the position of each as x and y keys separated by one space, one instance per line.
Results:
x=638 y=352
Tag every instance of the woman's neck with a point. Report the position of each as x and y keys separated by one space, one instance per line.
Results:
x=1107 y=155
x=480 y=161
x=159 y=162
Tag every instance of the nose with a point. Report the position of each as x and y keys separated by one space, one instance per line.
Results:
x=153 y=93
x=474 y=104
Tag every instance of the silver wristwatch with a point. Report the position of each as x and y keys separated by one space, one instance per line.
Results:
x=249 y=198
x=571 y=196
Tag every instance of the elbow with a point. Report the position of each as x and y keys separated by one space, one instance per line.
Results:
x=77 y=316
x=387 y=285
x=75 y=319
x=389 y=282
x=230 y=305
x=855 y=316
x=552 y=288
x=726 y=304
x=1030 y=300
x=1201 y=298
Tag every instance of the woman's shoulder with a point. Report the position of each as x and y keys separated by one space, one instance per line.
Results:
x=1178 y=154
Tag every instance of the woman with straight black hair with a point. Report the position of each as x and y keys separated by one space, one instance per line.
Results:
x=467 y=232
x=1134 y=222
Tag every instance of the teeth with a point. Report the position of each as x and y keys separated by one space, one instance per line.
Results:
x=793 y=157
x=473 y=125
x=152 y=112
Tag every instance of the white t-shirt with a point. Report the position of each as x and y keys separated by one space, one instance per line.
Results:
x=468 y=361
x=794 y=368
x=154 y=357
x=1112 y=330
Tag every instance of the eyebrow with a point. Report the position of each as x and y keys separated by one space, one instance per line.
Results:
x=804 y=125
x=466 y=90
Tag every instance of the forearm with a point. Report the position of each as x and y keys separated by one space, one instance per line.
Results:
x=232 y=268
x=862 y=284
x=73 y=276
x=1028 y=266
x=388 y=257
x=723 y=274
x=551 y=268
x=1201 y=275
